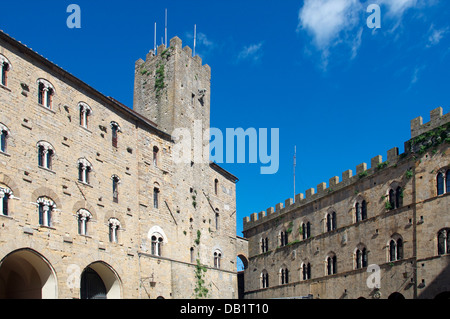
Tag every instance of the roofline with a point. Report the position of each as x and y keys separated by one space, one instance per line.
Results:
x=223 y=172
x=70 y=77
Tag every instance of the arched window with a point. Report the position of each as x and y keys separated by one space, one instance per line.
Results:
x=45 y=93
x=331 y=264
x=444 y=241
x=4 y=131
x=45 y=155
x=115 y=129
x=156 y=197
x=5 y=66
x=115 y=188
x=84 y=170
x=157 y=242
x=5 y=195
x=216 y=186
x=217 y=215
x=284 y=275
x=331 y=221
x=114 y=226
x=395 y=248
x=447 y=181
x=264 y=279
x=361 y=257
x=360 y=210
x=284 y=238
x=306 y=271
x=217 y=258
x=155 y=156
x=85 y=112
x=306 y=230
x=84 y=216
x=398 y=197
x=45 y=208
x=440 y=183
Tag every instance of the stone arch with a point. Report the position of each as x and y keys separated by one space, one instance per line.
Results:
x=109 y=277
x=396 y=296
x=7 y=181
x=26 y=274
x=45 y=192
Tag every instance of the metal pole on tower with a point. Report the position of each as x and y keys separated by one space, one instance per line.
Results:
x=165 y=31
x=295 y=160
x=195 y=37
x=154 y=41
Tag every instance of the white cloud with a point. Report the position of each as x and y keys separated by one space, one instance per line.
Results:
x=435 y=36
x=204 y=46
x=396 y=8
x=326 y=19
x=252 y=52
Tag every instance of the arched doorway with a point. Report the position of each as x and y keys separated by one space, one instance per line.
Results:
x=25 y=274
x=99 y=281
x=443 y=296
x=396 y=296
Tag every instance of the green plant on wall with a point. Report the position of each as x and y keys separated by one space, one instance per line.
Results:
x=200 y=290
x=159 y=80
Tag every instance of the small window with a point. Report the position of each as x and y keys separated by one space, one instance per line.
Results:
x=444 y=241
x=395 y=248
x=115 y=188
x=45 y=93
x=4 y=131
x=5 y=66
x=264 y=245
x=217 y=258
x=216 y=187
x=84 y=216
x=284 y=275
x=306 y=230
x=115 y=129
x=45 y=155
x=45 y=209
x=361 y=210
x=331 y=221
x=84 y=171
x=331 y=264
x=5 y=195
x=114 y=225
x=284 y=238
x=440 y=183
x=155 y=198
x=85 y=111
x=360 y=257
x=157 y=241
x=217 y=218
x=447 y=181
x=306 y=271
x=264 y=279
x=155 y=156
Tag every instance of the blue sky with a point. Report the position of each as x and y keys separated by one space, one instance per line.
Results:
x=338 y=90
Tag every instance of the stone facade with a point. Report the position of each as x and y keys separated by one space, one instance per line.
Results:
x=119 y=236
x=386 y=222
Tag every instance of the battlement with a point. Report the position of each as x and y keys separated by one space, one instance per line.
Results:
x=436 y=119
x=176 y=45
x=334 y=184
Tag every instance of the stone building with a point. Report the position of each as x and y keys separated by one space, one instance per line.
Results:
x=381 y=233
x=93 y=204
